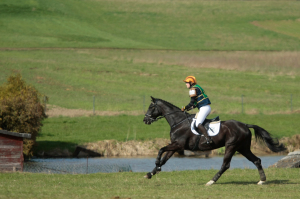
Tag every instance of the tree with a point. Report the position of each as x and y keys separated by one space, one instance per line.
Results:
x=21 y=110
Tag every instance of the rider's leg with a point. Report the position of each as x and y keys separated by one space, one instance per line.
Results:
x=204 y=132
x=203 y=113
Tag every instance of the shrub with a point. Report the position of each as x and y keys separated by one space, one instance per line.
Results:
x=21 y=110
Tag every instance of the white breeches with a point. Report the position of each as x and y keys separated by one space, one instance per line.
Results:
x=204 y=111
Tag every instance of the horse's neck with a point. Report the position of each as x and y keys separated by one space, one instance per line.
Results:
x=172 y=114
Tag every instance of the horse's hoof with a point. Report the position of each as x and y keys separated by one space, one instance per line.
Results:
x=148 y=176
x=210 y=183
x=261 y=182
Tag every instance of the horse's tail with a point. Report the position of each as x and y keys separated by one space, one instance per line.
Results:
x=262 y=134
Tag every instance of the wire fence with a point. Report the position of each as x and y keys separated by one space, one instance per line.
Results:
x=72 y=166
x=269 y=102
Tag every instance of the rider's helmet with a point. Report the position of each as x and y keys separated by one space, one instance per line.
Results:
x=191 y=80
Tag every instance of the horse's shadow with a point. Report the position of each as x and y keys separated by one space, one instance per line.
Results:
x=248 y=183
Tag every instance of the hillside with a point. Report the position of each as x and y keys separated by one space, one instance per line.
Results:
x=124 y=80
x=155 y=24
x=245 y=54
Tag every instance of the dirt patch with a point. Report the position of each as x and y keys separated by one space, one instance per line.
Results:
x=129 y=148
x=56 y=111
x=282 y=112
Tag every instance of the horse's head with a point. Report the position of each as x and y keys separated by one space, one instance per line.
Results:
x=153 y=112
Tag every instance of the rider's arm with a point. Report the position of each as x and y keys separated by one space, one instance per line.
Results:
x=193 y=94
x=191 y=104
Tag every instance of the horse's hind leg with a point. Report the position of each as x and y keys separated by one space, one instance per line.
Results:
x=229 y=152
x=257 y=162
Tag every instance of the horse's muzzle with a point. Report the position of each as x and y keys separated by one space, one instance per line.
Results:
x=148 y=120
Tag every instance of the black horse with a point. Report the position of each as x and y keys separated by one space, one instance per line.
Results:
x=234 y=135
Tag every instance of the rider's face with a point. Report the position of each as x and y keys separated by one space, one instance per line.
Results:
x=187 y=84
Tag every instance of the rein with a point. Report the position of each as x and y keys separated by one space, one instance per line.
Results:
x=163 y=116
x=182 y=121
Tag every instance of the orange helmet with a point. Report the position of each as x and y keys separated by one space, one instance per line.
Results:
x=190 y=79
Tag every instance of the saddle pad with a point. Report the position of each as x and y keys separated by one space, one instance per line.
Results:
x=213 y=130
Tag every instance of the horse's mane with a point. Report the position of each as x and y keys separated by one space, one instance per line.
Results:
x=168 y=103
x=173 y=106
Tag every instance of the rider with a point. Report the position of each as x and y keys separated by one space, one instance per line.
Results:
x=200 y=100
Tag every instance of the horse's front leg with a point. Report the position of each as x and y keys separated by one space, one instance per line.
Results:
x=171 y=148
x=157 y=169
x=163 y=161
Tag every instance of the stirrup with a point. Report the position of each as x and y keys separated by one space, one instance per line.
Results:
x=208 y=141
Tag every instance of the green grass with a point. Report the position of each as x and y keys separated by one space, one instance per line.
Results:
x=181 y=25
x=287 y=27
x=235 y=183
x=119 y=79
x=203 y=38
x=65 y=132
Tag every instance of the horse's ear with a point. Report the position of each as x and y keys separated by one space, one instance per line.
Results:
x=153 y=99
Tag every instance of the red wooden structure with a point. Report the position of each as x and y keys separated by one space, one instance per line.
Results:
x=11 y=150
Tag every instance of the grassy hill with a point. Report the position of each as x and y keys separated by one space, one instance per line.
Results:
x=120 y=80
x=124 y=51
x=155 y=24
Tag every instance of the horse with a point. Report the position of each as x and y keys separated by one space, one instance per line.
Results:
x=234 y=135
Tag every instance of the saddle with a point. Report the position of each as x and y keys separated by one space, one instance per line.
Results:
x=206 y=126
x=207 y=121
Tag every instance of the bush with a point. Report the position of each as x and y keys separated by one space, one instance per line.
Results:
x=21 y=110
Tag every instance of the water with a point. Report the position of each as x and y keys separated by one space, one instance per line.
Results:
x=138 y=164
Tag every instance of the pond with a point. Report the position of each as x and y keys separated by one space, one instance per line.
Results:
x=138 y=164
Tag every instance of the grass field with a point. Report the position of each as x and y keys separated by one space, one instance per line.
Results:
x=235 y=183
x=119 y=79
x=181 y=25
x=124 y=51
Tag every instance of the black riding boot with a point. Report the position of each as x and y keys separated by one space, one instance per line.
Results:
x=204 y=132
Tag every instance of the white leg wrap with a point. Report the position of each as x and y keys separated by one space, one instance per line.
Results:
x=210 y=183
x=261 y=182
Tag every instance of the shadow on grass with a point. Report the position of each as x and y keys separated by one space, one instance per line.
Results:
x=52 y=146
x=267 y=183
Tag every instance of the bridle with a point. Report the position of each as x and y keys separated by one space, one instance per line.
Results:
x=163 y=116
x=153 y=109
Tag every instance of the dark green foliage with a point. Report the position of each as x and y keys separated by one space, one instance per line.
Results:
x=21 y=110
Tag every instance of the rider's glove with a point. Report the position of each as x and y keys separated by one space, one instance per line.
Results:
x=183 y=108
